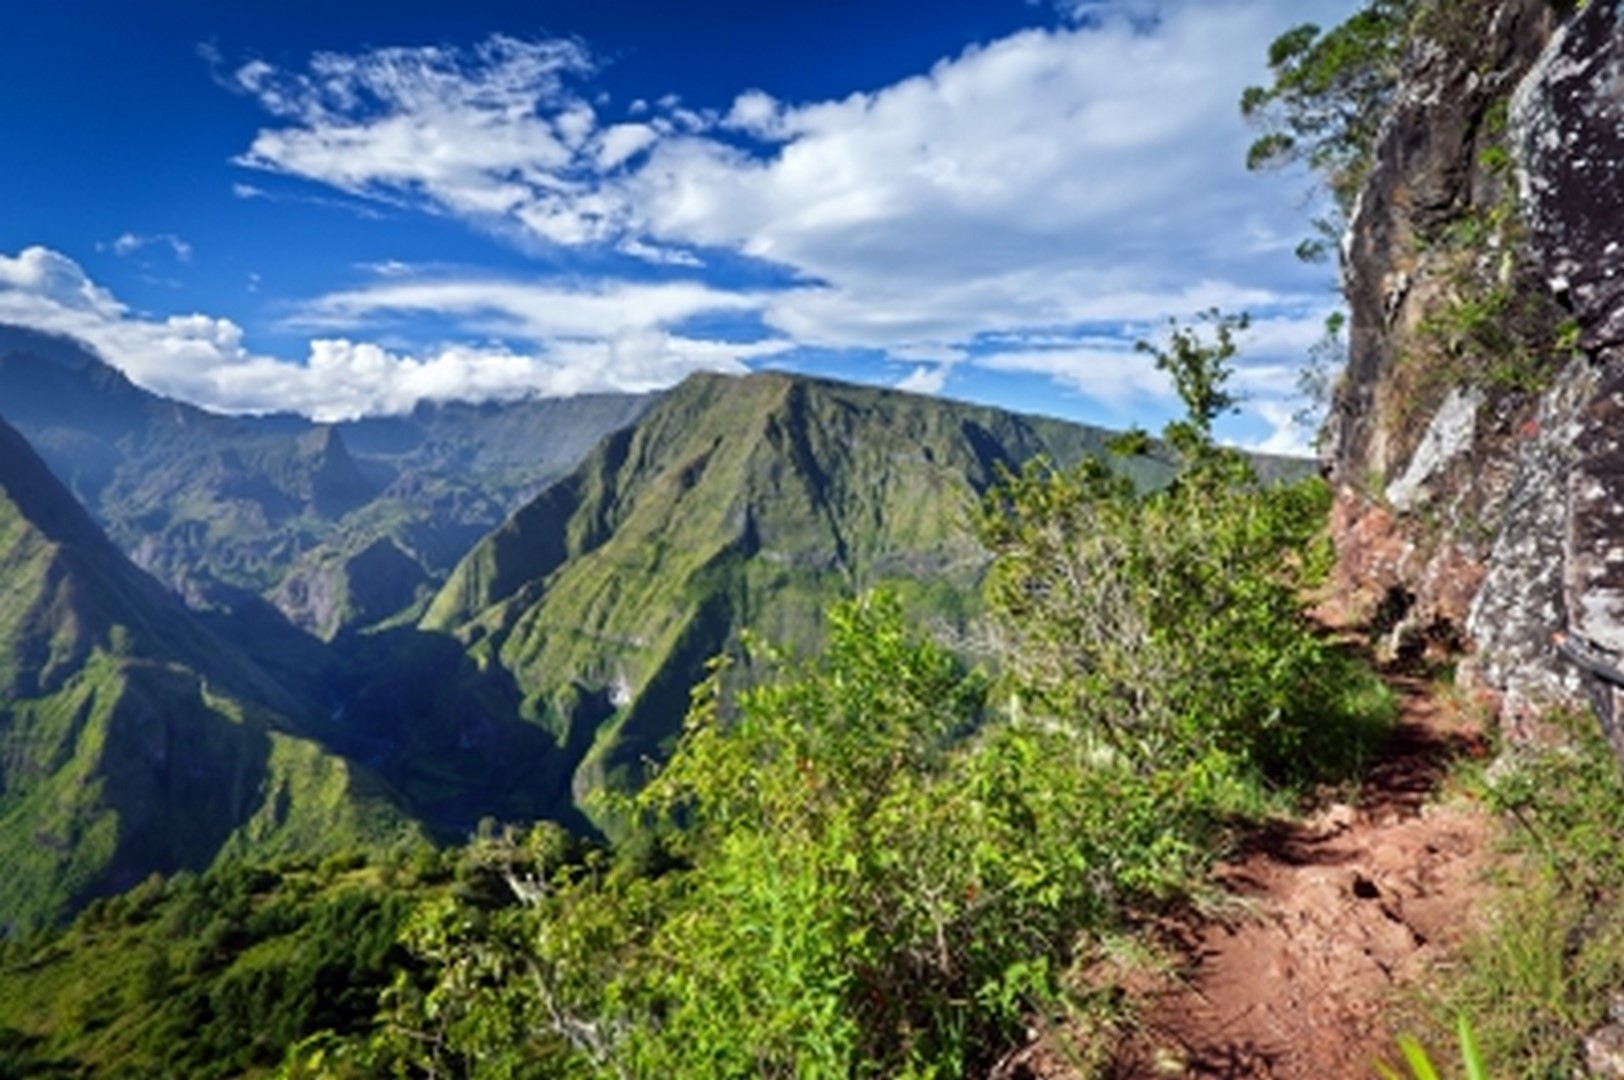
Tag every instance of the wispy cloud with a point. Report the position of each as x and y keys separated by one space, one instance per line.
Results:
x=526 y=311
x=132 y=243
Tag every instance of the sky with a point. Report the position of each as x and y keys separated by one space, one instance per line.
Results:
x=344 y=209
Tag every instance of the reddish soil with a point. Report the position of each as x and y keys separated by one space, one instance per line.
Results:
x=1325 y=922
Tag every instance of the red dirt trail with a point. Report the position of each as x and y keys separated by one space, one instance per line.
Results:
x=1327 y=921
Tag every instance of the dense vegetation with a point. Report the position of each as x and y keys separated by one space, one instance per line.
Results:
x=213 y=974
x=879 y=862
x=875 y=860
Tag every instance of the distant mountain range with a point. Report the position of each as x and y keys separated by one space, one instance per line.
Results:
x=407 y=624
x=337 y=525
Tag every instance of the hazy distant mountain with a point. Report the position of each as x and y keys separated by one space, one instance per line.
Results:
x=735 y=502
x=338 y=525
x=131 y=738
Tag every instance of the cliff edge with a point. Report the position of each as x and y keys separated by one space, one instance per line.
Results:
x=1475 y=440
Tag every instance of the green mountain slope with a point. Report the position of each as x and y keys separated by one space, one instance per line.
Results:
x=132 y=739
x=734 y=503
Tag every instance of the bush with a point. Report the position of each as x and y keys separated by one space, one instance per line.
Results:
x=1168 y=625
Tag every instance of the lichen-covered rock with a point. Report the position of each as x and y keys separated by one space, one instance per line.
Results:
x=1523 y=597
x=1495 y=503
x=1425 y=175
x=1569 y=119
x=1423 y=448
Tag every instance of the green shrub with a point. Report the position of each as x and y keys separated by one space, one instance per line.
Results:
x=1168 y=625
x=1545 y=971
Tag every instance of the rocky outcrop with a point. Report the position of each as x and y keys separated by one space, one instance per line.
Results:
x=325 y=595
x=1478 y=442
x=1569 y=123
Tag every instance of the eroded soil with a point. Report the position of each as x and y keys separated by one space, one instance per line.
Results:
x=1323 y=924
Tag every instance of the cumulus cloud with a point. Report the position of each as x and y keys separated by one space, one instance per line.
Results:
x=1057 y=175
x=994 y=211
x=591 y=341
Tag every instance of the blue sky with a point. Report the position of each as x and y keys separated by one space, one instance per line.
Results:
x=342 y=209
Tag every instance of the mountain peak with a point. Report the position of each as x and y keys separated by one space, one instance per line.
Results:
x=734 y=502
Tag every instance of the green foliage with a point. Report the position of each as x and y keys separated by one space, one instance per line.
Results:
x=1420 y=1064
x=857 y=865
x=1545 y=971
x=1199 y=371
x=1167 y=625
x=861 y=874
x=207 y=975
x=1330 y=91
x=1496 y=325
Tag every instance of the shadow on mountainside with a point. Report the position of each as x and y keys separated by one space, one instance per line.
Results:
x=449 y=735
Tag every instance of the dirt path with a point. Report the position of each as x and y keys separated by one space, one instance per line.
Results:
x=1330 y=918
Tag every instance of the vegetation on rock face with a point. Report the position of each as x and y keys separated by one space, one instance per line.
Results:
x=1330 y=93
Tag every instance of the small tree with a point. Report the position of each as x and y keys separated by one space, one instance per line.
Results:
x=1167 y=624
x=1324 y=108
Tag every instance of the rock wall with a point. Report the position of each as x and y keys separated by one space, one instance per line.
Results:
x=1477 y=443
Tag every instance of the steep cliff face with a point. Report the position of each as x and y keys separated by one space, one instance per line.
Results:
x=1475 y=442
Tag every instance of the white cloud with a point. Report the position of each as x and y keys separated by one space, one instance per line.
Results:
x=1056 y=175
x=620 y=142
x=55 y=280
x=1287 y=435
x=995 y=211
x=531 y=312
x=492 y=134
x=1108 y=370
x=925 y=379
x=658 y=255
x=758 y=113
x=612 y=338
x=131 y=243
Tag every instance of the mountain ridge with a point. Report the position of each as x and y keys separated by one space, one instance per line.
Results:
x=735 y=502
x=132 y=739
x=223 y=508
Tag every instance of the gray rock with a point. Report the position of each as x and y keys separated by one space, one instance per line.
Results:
x=1568 y=125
